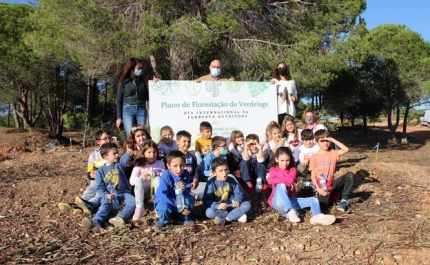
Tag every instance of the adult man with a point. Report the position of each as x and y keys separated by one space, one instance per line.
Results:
x=215 y=73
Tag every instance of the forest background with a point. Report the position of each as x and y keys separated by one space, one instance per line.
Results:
x=60 y=60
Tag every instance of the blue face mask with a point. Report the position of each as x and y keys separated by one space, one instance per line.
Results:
x=215 y=72
x=223 y=151
x=137 y=72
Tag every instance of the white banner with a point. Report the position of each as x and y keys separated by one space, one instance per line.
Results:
x=227 y=106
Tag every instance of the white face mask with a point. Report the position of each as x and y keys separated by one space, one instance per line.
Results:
x=215 y=72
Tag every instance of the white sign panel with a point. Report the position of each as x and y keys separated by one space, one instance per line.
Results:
x=227 y=106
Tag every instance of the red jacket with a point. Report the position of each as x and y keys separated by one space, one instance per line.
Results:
x=285 y=176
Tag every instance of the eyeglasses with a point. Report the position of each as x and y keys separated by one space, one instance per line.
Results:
x=138 y=127
x=224 y=146
x=105 y=139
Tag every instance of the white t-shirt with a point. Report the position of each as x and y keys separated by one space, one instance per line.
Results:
x=273 y=145
x=305 y=151
x=293 y=144
x=284 y=89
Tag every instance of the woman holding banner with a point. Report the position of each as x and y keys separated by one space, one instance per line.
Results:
x=286 y=91
x=132 y=95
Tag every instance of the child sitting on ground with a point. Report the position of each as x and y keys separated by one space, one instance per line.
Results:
x=253 y=164
x=223 y=198
x=219 y=148
x=305 y=152
x=291 y=134
x=274 y=135
x=113 y=187
x=236 y=145
x=283 y=197
x=183 y=140
x=203 y=143
x=167 y=202
x=167 y=143
x=145 y=176
x=323 y=165
x=138 y=136
x=89 y=201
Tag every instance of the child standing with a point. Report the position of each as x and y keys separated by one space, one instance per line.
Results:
x=223 y=198
x=203 y=143
x=306 y=151
x=236 y=145
x=145 y=176
x=323 y=165
x=253 y=163
x=113 y=187
x=219 y=148
x=167 y=143
x=89 y=200
x=166 y=203
x=283 y=197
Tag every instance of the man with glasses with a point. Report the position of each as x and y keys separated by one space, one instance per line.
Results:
x=215 y=73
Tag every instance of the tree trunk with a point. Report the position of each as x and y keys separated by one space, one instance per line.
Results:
x=405 y=119
x=88 y=111
x=105 y=102
x=15 y=116
x=352 y=120
x=341 y=118
x=364 y=124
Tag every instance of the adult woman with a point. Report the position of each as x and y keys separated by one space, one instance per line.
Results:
x=132 y=94
x=310 y=121
x=286 y=91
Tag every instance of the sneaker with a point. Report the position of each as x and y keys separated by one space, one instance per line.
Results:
x=323 y=219
x=264 y=188
x=92 y=225
x=69 y=208
x=243 y=219
x=117 y=221
x=158 y=225
x=292 y=217
x=189 y=222
x=85 y=206
x=343 y=206
x=219 y=221
x=250 y=188
x=139 y=213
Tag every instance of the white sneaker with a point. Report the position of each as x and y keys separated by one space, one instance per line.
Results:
x=139 y=213
x=117 y=221
x=323 y=219
x=243 y=219
x=292 y=217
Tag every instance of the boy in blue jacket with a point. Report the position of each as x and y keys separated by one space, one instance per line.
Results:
x=166 y=204
x=113 y=187
x=224 y=199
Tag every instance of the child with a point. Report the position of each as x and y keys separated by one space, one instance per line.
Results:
x=89 y=200
x=323 y=165
x=137 y=138
x=283 y=197
x=166 y=204
x=253 y=163
x=167 y=143
x=219 y=148
x=183 y=140
x=145 y=176
x=290 y=133
x=274 y=136
x=236 y=145
x=113 y=187
x=223 y=197
x=306 y=151
x=203 y=144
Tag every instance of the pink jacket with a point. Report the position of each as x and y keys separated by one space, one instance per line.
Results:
x=287 y=177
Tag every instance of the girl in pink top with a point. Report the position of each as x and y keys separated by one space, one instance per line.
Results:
x=282 y=175
x=146 y=175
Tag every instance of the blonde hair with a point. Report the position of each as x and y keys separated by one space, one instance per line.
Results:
x=165 y=128
x=284 y=127
x=272 y=125
x=304 y=117
x=234 y=134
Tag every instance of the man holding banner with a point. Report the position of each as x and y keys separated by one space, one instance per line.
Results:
x=215 y=73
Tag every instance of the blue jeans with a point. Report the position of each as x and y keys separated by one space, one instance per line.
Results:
x=231 y=213
x=250 y=172
x=283 y=203
x=106 y=207
x=166 y=211
x=90 y=194
x=132 y=116
x=199 y=157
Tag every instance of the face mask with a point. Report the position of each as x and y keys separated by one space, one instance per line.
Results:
x=282 y=71
x=309 y=120
x=137 y=72
x=223 y=151
x=215 y=72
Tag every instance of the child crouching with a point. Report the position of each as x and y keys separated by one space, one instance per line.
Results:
x=169 y=201
x=224 y=199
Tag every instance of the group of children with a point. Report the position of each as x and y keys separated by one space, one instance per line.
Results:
x=222 y=168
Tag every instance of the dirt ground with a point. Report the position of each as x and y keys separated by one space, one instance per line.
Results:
x=388 y=222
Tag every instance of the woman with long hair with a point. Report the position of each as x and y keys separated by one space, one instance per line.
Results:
x=286 y=91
